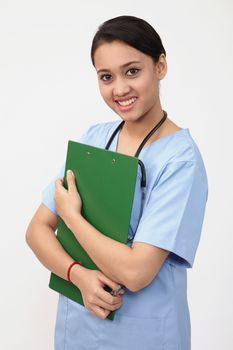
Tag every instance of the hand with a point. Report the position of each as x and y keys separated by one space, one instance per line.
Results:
x=95 y=298
x=67 y=202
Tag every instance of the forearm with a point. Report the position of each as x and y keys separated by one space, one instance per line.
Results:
x=113 y=258
x=43 y=242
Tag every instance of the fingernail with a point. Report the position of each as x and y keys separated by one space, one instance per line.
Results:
x=69 y=172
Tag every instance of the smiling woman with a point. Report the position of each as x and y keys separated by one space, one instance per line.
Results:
x=129 y=81
x=153 y=313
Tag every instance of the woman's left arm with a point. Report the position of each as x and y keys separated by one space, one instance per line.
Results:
x=134 y=266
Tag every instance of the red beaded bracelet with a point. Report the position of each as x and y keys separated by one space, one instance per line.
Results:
x=70 y=267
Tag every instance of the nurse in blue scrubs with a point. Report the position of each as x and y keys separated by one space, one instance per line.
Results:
x=153 y=313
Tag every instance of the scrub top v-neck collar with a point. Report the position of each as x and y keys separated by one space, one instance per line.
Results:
x=115 y=141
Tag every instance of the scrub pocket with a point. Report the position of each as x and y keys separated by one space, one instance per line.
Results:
x=137 y=333
x=77 y=328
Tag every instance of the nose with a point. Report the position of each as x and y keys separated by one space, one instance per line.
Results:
x=120 y=88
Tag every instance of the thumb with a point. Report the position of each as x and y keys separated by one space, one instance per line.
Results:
x=71 y=180
x=115 y=286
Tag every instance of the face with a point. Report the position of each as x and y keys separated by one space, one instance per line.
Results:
x=129 y=80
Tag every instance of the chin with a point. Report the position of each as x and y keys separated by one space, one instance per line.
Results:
x=132 y=119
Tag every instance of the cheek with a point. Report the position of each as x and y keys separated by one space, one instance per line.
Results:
x=144 y=84
x=149 y=82
x=150 y=87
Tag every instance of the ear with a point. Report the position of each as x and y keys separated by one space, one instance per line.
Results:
x=161 y=67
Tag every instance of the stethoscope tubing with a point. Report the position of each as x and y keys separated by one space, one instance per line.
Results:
x=142 y=166
x=146 y=138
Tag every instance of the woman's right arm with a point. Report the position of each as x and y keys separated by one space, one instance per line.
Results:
x=40 y=236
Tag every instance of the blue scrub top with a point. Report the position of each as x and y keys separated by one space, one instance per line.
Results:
x=156 y=317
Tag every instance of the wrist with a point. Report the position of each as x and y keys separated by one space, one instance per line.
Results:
x=73 y=219
x=76 y=274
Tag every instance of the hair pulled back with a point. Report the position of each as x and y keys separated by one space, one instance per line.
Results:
x=134 y=31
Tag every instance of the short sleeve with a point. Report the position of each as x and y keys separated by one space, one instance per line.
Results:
x=49 y=190
x=173 y=215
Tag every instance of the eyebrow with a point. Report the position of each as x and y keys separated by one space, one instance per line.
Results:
x=123 y=65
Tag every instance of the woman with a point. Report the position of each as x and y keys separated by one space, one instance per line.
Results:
x=153 y=312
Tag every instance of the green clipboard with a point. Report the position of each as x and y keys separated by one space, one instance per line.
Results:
x=106 y=183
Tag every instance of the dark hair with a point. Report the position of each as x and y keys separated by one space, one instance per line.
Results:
x=134 y=31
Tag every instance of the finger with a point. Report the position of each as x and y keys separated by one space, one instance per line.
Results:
x=108 y=298
x=99 y=312
x=115 y=286
x=109 y=306
x=59 y=183
x=71 y=180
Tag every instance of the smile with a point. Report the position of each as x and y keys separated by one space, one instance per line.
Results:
x=126 y=105
x=128 y=102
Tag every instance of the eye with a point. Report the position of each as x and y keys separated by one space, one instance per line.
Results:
x=105 y=75
x=133 y=69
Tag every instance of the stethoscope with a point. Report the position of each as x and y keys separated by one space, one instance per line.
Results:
x=143 y=170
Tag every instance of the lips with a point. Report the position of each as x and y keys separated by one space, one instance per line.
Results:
x=126 y=107
x=125 y=99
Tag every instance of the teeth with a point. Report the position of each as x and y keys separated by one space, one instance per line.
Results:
x=127 y=103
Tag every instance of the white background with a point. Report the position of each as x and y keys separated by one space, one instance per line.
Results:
x=49 y=94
